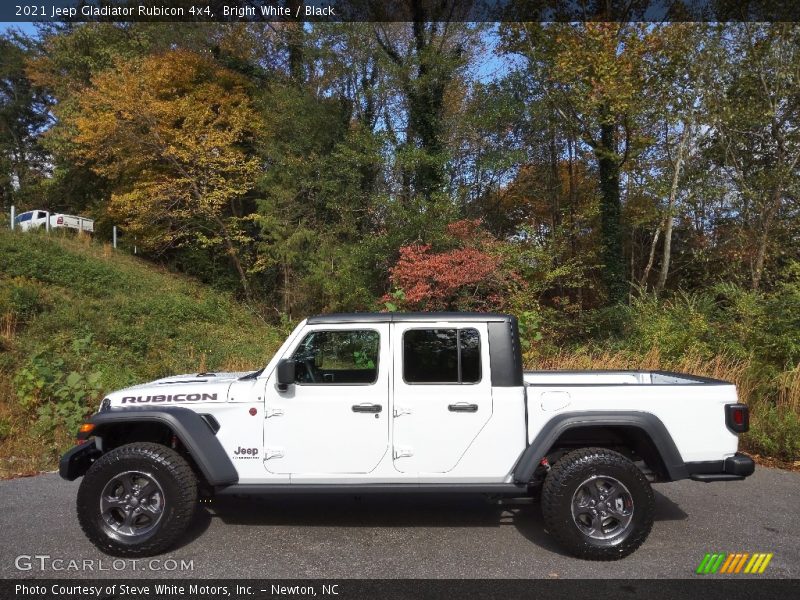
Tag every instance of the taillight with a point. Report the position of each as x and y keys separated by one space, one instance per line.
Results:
x=60 y=221
x=737 y=417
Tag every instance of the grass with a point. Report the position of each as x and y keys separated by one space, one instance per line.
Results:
x=71 y=306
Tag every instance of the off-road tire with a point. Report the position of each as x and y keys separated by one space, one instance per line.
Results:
x=177 y=491
x=561 y=487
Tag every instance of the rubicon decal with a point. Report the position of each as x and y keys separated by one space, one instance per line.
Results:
x=169 y=398
x=734 y=563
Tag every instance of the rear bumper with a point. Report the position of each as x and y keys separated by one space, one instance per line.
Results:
x=77 y=461
x=733 y=468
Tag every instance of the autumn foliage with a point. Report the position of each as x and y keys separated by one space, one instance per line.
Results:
x=471 y=276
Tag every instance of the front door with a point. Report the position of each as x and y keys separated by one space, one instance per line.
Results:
x=442 y=394
x=334 y=419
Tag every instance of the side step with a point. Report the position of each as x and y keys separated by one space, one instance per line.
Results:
x=267 y=489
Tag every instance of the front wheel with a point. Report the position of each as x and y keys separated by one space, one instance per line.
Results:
x=597 y=504
x=137 y=500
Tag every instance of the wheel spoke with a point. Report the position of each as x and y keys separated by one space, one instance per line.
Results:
x=594 y=490
x=109 y=502
x=613 y=507
x=127 y=524
x=152 y=509
x=127 y=484
x=597 y=524
x=147 y=489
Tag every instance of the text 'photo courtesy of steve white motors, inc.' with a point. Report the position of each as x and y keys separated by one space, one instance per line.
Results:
x=176 y=590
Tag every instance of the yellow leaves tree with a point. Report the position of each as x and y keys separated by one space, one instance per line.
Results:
x=169 y=133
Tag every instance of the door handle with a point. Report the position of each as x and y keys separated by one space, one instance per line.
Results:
x=463 y=407
x=367 y=408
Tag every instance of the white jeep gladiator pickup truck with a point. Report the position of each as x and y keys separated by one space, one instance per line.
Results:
x=415 y=402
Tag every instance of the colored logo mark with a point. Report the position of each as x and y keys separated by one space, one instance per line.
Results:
x=733 y=563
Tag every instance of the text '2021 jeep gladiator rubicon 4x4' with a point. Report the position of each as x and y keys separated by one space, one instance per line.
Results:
x=416 y=402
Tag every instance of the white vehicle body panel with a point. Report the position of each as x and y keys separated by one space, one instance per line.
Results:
x=312 y=427
x=429 y=437
x=309 y=433
x=691 y=411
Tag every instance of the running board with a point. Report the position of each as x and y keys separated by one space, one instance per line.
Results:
x=267 y=489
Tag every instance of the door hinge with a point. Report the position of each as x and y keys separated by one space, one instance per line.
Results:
x=272 y=453
x=403 y=452
x=273 y=412
x=401 y=410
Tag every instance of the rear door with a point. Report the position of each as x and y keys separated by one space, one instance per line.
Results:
x=442 y=394
x=334 y=419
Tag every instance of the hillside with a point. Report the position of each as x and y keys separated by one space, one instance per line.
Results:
x=78 y=318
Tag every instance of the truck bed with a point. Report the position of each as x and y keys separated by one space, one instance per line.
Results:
x=594 y=378
x=690 y=407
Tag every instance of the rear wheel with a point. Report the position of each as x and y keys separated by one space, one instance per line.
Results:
x=597 y=504
x=137 y=500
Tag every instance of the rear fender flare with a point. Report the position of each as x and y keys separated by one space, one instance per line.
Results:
x=651 y=425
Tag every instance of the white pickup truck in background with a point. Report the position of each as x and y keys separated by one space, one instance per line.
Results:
x=36 y=219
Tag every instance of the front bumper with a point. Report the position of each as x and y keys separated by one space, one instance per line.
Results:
x=77 y=461
x=733 y=468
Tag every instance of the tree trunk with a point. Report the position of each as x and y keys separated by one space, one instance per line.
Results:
x=234 y=256
x=673 y=193
x=763 y=241
x=295 y=41
x=651 y=257
x=573 y=200
x=610 y=215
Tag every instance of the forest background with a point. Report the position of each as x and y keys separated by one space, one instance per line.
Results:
x=628 y=190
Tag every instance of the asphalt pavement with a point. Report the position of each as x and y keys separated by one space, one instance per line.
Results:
x=403 y=536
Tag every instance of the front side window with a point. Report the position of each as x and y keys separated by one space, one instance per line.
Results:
x=338 y=357
x=442 y=356
x=23 y=217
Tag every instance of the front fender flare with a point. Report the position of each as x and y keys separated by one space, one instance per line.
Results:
x=555 y=427
x=189 y=427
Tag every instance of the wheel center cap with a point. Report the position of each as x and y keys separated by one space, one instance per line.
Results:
x=134 y=502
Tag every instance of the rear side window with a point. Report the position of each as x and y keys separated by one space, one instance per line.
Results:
x=441 y=356
x=338 y=357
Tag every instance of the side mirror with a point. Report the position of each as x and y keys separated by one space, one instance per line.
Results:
x=286 y=374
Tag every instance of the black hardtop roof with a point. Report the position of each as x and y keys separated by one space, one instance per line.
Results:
x=402 y=317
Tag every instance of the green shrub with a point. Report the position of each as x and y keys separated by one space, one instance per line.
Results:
x=55 y=397
x=774 y=432
x=677 y=326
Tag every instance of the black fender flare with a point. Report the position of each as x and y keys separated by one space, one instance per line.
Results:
x=189 y=427
x=651 y=425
